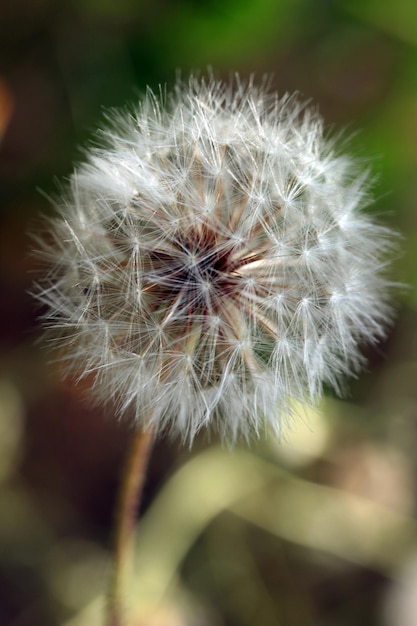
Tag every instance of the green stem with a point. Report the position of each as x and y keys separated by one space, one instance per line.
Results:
x=133 y=479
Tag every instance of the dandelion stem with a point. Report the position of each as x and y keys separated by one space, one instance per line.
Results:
x=133 y=478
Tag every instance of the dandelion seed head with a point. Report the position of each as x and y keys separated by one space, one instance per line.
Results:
x=211 y=262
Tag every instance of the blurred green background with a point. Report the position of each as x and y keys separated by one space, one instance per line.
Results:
x=317 y=530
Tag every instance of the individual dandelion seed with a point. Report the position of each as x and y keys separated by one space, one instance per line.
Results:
x=211 y=261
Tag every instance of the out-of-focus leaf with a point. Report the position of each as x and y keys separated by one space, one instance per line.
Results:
x=317 y=517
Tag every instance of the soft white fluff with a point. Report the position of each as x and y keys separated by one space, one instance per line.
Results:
x=211 y=261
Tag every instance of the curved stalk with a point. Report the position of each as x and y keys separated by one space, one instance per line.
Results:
x=131 y=488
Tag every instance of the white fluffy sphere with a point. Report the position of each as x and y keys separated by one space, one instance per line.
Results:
x=211 y=261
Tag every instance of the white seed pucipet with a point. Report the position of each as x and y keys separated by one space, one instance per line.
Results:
x=211 y=261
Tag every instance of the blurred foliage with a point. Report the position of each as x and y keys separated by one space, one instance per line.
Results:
x=318 y=529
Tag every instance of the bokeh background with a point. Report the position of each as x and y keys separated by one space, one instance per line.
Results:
x=319 y=529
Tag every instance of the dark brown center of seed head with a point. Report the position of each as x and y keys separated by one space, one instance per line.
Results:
x=202 y=267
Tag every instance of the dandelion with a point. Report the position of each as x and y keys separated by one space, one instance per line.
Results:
x=211 y=261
